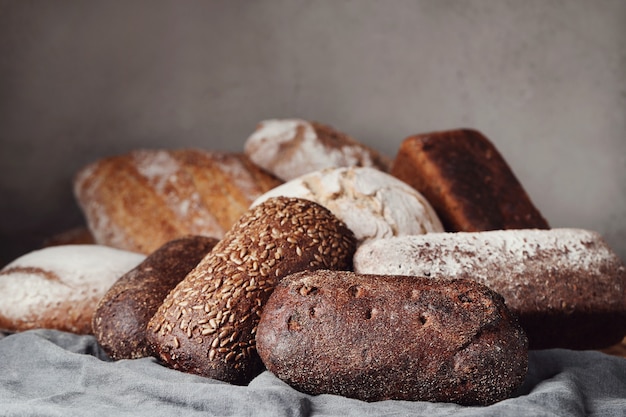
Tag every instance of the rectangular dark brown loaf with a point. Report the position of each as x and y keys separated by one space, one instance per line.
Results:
x=467 y=181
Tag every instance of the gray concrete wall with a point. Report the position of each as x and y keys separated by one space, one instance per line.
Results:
x=545 y=80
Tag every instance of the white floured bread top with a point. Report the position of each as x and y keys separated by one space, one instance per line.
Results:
x=289 y=148
x=58 y=287
x=373 y=204
x=533 y=269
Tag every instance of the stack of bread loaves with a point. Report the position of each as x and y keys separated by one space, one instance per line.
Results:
x=340 y=270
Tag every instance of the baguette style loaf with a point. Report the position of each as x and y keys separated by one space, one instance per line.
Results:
x=289 y=148
x=566 y=285
x=120 y=320
x=207 y=324
x=468 y=182
x=377 y=337
x=58 y=287
x=372 y=203
x=141 y=200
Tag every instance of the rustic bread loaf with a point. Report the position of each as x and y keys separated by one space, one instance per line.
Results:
x=566 y=285
x=372 y=203
x=289 y=148
x=207 y=324
x=377 y=337
x=74 y=236
x=120 y=320
x=58 y=287
x=467 y=181
x=140 y=200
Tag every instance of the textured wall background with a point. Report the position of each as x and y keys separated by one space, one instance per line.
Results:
x=545 y=80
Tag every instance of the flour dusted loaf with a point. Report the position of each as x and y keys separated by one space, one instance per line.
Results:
x=467 y=181
x=377 y=337
x=289 y=148
x=140 y=200
x=207 y=324
x=58 y=287
x=120 y=320
x=372 y=203
x=566 y=285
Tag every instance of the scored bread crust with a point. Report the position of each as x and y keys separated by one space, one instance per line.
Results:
x=140 y=200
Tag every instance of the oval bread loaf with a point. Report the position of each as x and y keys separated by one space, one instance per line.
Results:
x=289 y=148
x=58 y=287
x=567 y=286
x=376 y=337
x=140 y=200
x=372 y=203
x=207 y=324
x=120 y=320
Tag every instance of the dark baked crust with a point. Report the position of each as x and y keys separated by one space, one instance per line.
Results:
x=376 y=337
x=207 y=324
x=467 y=181
x=120 y=320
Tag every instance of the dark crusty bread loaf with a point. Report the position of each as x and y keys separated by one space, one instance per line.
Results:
x=376 y=337
x=120 y=320
x=207 y=324
x=140 y=200
x=566 y=285
x=467 y=181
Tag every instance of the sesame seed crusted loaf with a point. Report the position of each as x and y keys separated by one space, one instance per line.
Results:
x=207 y=324
x=468 y=182
x=378 y=337
x=372 y=203
x=289 y=148
x=566 y=285
x=120 y=320
x=58 y=287
x=140 y=200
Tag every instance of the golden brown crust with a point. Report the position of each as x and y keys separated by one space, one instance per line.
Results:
x=467 y=181
x=207 y=324
x=121 y=316
x=380 y=337
x=140 y=200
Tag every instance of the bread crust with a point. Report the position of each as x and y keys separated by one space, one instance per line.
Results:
x=121 y=316
x=467 y=181
x=207 y=324
x=376 y=337
x=140 y=200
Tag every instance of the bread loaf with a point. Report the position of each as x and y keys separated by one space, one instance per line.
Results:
x=372 y=203
x=120 y=320
x=467 y=181
x=566 y=285
x=289 y=148
x=376 y=337
x=207 y=324
x=58 y=287
x=141 y=200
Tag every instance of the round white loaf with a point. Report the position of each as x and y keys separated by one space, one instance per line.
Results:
x=289 y=148
x=58 y=287
x=373 y=204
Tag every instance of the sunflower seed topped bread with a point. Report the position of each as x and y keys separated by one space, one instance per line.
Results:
x=377 y=337
x=58 y=287
x=467 y=181
x=140 y=200
x=566 y=285
x=372 y=203
x=289 y=148
x=207 y=324
x=120 y=320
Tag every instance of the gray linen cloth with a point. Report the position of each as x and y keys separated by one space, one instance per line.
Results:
x=52 y=373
